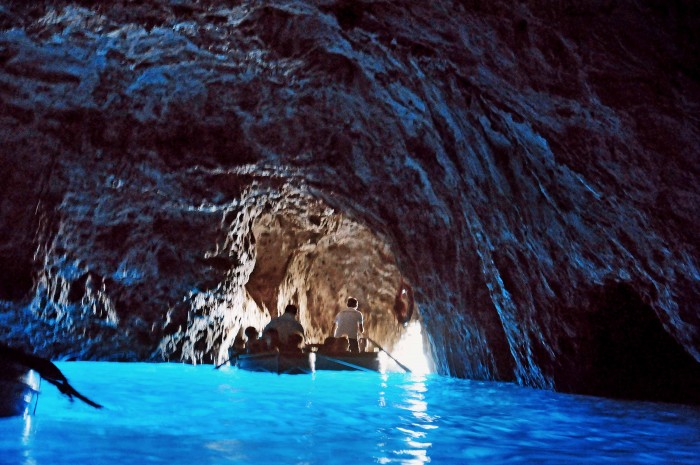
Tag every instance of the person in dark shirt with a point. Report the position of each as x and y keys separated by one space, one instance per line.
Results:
x=286 y=325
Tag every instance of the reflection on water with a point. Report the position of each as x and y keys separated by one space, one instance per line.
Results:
x=415 y=434
x=179 y=414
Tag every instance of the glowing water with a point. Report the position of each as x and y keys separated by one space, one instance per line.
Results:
x=180 y=414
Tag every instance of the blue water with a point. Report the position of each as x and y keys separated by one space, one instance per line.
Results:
x=180 y=414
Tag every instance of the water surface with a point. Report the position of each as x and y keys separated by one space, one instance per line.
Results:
x=181 y=414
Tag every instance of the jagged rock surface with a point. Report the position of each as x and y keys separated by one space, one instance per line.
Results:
x=530 y=167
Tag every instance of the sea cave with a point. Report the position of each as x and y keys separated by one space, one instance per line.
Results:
x=175 y=171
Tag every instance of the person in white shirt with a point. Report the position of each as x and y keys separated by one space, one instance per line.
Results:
x=349 y=322
x=286 y=324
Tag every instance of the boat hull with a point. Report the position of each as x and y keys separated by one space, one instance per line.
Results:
x=19 y=390
x=277 y=362
x=363 y=361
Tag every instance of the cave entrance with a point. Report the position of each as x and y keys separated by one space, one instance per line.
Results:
x=310 y=255
x=411 y=351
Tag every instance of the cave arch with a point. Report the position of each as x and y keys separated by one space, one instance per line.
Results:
x=315 y=257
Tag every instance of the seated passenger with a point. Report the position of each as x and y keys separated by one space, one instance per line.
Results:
x=271 y=339
x=335 y=345
x=253 y=344
x=238 y=346
x=328 y=345
x=362 y=342
x=342 y=345
x=295 y=343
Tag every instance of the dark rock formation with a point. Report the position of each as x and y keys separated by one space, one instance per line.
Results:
x=176 y=170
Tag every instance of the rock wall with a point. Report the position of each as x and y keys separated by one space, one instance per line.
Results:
x=529 y=167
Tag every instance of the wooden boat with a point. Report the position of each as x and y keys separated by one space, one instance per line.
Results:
x=308 y=362
x=19 y=389
x=290 y=363
x=363 y=361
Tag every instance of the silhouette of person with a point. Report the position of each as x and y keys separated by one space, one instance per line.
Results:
x=286 y=325
x=253 y=344
x=349 y=322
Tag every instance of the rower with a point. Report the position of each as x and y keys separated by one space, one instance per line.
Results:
x=349 y=322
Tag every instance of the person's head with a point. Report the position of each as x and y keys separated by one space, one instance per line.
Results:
x=251 y=333
x=352 y=303
x=292 y=309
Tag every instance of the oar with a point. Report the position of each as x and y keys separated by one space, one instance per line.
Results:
x=47 y=370
x=222 y=364
x=70 y=391
x=228 y=360
x=405 y=368
x=347 y=364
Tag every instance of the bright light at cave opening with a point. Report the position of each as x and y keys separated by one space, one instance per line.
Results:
x=410 y=351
